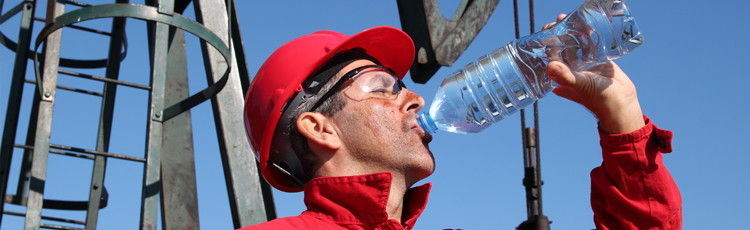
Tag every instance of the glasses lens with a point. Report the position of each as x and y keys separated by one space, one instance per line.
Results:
x=378 y=83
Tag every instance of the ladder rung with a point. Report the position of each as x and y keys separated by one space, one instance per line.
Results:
x=56 y=152
x=79 y=28
x=59 y=204
x=47 y=218
x=12 y=12
x=69 y=88
x=92 y=77
x=80 y=150
x=49 y=226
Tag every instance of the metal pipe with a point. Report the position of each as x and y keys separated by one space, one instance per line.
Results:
x=14 y=97
x=56 y=152
x=92 y=77
x=49 y=226
x=46 y=218
x=68 y=88
x=98 y=153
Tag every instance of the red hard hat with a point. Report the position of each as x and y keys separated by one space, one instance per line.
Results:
x=281 y=76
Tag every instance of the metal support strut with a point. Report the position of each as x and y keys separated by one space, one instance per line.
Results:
x=169 y=175
x=532 y=181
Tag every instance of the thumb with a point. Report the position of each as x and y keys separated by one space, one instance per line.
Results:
x=561 y=74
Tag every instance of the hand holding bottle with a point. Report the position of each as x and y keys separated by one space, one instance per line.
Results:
x=603 y=89
x=513 y=76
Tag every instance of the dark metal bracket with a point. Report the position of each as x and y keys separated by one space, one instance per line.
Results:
x=437 y=40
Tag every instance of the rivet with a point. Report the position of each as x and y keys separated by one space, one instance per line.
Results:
x=47 y=94
x=96 y=185
x=157 y=115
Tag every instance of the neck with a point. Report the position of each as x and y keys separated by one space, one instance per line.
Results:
x=395 y=205
x=341 y=165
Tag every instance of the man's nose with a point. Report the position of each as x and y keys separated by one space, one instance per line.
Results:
x=412 y=101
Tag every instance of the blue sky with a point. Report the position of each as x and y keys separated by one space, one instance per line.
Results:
x=688 y=74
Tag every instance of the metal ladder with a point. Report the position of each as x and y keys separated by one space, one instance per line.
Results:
x=169 y=167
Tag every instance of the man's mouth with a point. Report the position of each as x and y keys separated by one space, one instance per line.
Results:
x=426 y=137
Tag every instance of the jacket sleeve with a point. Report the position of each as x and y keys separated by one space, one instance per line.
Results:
x=632 y=189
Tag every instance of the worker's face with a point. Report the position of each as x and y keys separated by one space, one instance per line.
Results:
x=384 y=133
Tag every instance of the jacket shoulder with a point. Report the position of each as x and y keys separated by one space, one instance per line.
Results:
x=294 y=222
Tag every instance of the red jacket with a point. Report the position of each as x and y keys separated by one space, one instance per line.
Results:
x=631 y=190
x=352 y=202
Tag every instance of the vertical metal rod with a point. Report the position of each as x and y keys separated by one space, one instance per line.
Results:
x=179 y=195
x=246 y=200
x=158 y=47
x=44 y=121
x=515 y=20
x=105 y=120
x=14 y=97
x=527 y=158
x=28 y=154
x=531 y=17
x=523 y=111
x=2 y=2
x=538 y=167
x=531 y=151
x=23 y=176
x=532 y=185
x=536 y=124
x=239 y=57
x=239 y=53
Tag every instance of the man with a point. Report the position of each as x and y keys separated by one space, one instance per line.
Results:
x=328 y=114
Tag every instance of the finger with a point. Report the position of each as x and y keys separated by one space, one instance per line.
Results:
x=561 y=74
x=548 y=25
x=561 y=17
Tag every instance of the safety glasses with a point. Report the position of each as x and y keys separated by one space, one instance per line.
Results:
x=372 y=81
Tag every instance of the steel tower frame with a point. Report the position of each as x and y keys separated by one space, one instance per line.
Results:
x=169 y=167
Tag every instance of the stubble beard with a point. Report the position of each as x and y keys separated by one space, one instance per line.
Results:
x=379 y=145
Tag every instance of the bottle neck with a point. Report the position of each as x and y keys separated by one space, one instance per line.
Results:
x=425 y=121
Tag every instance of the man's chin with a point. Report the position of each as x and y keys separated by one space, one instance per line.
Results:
x=429 y=166
x=426 y=172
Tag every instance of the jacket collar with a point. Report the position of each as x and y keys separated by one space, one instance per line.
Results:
x=361 y=199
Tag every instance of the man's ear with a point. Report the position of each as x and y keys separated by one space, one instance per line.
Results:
x=319 y=130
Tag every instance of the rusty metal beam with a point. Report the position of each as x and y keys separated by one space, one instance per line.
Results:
x=437 y=40
x=47 y=84
x=246 y=198
x=179 y=195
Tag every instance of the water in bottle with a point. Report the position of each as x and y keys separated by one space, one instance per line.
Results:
x=512 y=77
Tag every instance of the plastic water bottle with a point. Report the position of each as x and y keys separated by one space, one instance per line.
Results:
x=512 y=77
